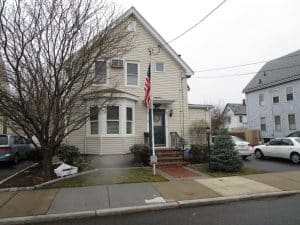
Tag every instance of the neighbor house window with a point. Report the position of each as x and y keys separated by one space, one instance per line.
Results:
x=132 y=73
x=100 y=72
x=112 y=120
x=275 y=97
x=289 y=94
x=94 y=120
x=129 y=120
x=131 y=26
x=261 y=99
x=263 y=126
x=159 y=67
x=277 y=120
x=241 y=119
x=292 y=121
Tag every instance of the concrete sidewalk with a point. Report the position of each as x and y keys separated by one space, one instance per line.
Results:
x=66 y=200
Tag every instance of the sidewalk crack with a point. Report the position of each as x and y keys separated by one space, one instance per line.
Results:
x=108 y=196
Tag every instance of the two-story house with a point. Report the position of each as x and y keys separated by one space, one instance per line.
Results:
x=125 y=121
x=273 y=97
x=236 y=116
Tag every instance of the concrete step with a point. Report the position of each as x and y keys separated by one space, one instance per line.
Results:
x=170 y=158
x=176 y=163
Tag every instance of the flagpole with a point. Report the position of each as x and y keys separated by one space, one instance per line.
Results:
x=151 y=119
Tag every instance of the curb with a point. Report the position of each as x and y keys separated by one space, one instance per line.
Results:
x=143 y=208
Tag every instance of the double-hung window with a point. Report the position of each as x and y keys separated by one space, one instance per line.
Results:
x=94 y=120
x=112 y=120
x=132 y=74
x=261 y=99
x=289 y=94
x=292 y=121
x=129 y=120
x=277 y=120
x=275 y=97
x=100 y=72
x=263 y=126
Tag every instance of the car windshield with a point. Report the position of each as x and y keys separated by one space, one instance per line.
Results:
x=297 y=139
x=3 y=140
x=236 y=139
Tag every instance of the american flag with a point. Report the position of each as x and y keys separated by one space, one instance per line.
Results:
x=147 y=88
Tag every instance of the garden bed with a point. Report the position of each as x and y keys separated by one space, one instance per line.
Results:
x=33 y=176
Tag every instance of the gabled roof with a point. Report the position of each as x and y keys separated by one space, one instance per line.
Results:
x=162 y=43
x=237 y=109
x=275 y=72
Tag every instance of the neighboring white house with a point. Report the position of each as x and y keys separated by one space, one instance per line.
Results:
x=273 y=97
x=125 y=121
x=236 y=116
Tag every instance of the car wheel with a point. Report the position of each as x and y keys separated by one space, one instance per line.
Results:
x=244 y=157
x=295 y=158
x=259 y=154
x=16 y=159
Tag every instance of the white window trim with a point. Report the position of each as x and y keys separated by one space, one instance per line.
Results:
x=157 y=71
x=133 y=120
x=107 y=73
x=262 y=105
x=88 y=126
x=280 y=130
x=120 y=122
x=288 y=122
x=286 y=93
x=275 y=94
x=138 y=75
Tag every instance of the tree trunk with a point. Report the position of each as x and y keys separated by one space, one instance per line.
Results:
x=47 y=163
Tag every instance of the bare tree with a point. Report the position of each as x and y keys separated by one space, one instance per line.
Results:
x=49 y=49
x=218 y=119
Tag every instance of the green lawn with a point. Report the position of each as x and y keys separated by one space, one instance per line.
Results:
x=110 y=176
x=203 y=168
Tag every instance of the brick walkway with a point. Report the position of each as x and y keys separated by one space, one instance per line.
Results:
x=178 y=172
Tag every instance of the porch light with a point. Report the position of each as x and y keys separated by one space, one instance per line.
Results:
x=171 y=112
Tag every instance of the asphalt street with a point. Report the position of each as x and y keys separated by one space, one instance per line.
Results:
x=271 y=164
x=275 y=211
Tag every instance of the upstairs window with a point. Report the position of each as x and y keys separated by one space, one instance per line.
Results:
x=100 y=72
x=112 y=120
x=292 y=121
x=261 y=99
x=94 y=120
x=131 y=26
x=241 y=119
x=132 y=74
x=289 y=94
x=159 y=67
x=277 y=120
x=129 y=120
x=263 y=126
x=275 y=97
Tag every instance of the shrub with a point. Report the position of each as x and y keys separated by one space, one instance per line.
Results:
x=223 y=157
x=141 y=153
x=68 y=153
x=199 y=153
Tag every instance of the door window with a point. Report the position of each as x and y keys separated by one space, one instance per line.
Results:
x=275 y=142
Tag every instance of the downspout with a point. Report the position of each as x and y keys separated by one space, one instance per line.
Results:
x=182 y=99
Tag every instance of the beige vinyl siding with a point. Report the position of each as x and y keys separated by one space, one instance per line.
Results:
x=170 y=84
x=93 y=145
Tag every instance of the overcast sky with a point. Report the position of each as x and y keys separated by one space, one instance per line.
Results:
x=237 y=33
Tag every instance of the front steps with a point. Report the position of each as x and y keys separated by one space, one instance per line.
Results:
x=169 y=157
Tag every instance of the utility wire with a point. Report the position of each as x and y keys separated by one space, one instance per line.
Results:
x=242 y=74
x=211 y=12
x=243 y=65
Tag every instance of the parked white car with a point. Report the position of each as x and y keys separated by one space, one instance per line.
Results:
x=288 y=148
x=244 y=148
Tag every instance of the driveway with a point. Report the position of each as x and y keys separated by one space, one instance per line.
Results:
x=271 y=164
x=7 y=169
